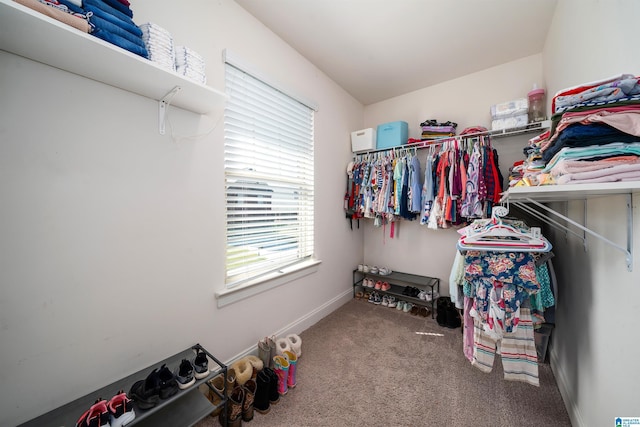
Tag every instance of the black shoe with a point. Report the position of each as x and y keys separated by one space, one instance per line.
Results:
x=146 y=393
x=453 y=317
x=168 y=385
x=274 y=396
x=201 y=365
x=185 y=374
x=441 y=310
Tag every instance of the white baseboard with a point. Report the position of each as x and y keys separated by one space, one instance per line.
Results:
x=565 y=391
x=302 y=323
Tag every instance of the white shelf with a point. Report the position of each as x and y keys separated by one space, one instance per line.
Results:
x=30 y=34
x=551 y=193
x=531 y=127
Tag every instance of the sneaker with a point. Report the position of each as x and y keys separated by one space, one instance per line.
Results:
x=378 y=285
x=373 y=270
x=369 y=283
x=201 y=365
x=392 y=302
x=384 y=271
x=423 y=311
x=146 y=393
x=372 y=297
x=432 y=295
x=407 y=307
x=422 y=295
x=400 y=305
x=377 y=299
x=121 y=410
x=167 y=385
x=185 y=374
x=385 y=301
x=97 y=415
x=365 y=268
x=385 y=286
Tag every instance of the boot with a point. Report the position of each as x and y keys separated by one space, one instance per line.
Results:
x=243 y=370
x=263 y=386
x=296 y=344
x=264 y=352
x=250 y=388
x=453 y=316
x=282 y=345
x=274 y=396
x=217 y=384
x=293 y=362
x=441 y=311
x=256 y=363
x=282 y=370
x=234 y=409
x=231 y=380
x=272 y=349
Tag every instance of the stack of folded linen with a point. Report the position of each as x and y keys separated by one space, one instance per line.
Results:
x=59 y=12
x=159 y=44
x=190 y=64
x=431 y=129
x=111 y=21
x=594 y=135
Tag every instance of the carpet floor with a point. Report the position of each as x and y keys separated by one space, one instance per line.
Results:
x=370 y=365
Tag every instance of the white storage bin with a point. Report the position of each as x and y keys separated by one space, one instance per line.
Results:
x=363 y=140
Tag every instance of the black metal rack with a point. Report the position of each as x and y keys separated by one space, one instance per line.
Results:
x=185 y=408
x=398 y=282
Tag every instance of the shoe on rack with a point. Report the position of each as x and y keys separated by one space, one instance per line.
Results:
x=423 y=311
x=392 y=302
x=365 y=268
x=385 y=286
x=377 y=299
x=359 y=292
x=167 y=385
x=407 y=307
x=422 y=295
x=121 y=410
x=400 y=305
x=374 y=270
x=185 y=374
x=369 y=283
x=431 y=295
x=384 y=271
x=378 y=285
x=201 y=365
x=385 y=301
x=215 y=397
x=372 y=297
x=96 y=415
x=146 y=393
x=414 y=310
x=414 y=292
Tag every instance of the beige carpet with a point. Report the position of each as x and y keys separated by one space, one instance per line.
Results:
x=368 y=365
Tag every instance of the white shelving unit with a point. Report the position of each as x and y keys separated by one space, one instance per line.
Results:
x=531 y=199
x=30 y=34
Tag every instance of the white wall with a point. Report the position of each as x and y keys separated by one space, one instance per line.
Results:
x=417 y=249
x=112 y=235
x=594 y=350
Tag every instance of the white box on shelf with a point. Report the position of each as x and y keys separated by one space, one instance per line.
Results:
x=363 y=140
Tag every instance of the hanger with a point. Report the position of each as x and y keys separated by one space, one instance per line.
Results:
x=496 y=235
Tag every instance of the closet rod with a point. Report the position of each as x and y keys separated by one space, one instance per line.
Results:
x=628 y=250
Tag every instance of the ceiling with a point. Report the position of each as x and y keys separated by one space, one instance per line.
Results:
x=378 y=49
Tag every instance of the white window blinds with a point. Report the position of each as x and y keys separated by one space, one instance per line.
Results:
x=268 y=178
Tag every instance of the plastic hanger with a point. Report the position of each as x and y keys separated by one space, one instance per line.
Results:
x=496 y=235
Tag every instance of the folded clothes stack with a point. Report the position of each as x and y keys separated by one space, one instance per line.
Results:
x=431 y=129
x=59 y=12
x=594 y=135
x=159 y=44
x=190 y=64
x=111 y=21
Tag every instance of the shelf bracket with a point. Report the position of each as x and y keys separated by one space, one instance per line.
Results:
x=162 y=107
x=628 y=250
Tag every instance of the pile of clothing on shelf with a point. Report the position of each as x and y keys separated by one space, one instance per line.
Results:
x=59 y=12
x=433 y=130
x=594 y=136
x=159 y=44
x=190 y=64
x=111 y=21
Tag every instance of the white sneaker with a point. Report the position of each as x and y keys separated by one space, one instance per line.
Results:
x=385 y=301
x=392 y=302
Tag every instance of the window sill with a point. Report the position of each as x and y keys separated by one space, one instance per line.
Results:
x=264 y=283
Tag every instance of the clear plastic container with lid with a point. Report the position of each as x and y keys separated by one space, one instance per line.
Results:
x=537 y=111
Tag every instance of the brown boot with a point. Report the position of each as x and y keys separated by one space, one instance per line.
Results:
x=234 y=408
x=231 y=380
x=217 y=384
x=249 y=395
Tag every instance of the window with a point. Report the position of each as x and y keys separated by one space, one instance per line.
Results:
x=268 y=164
